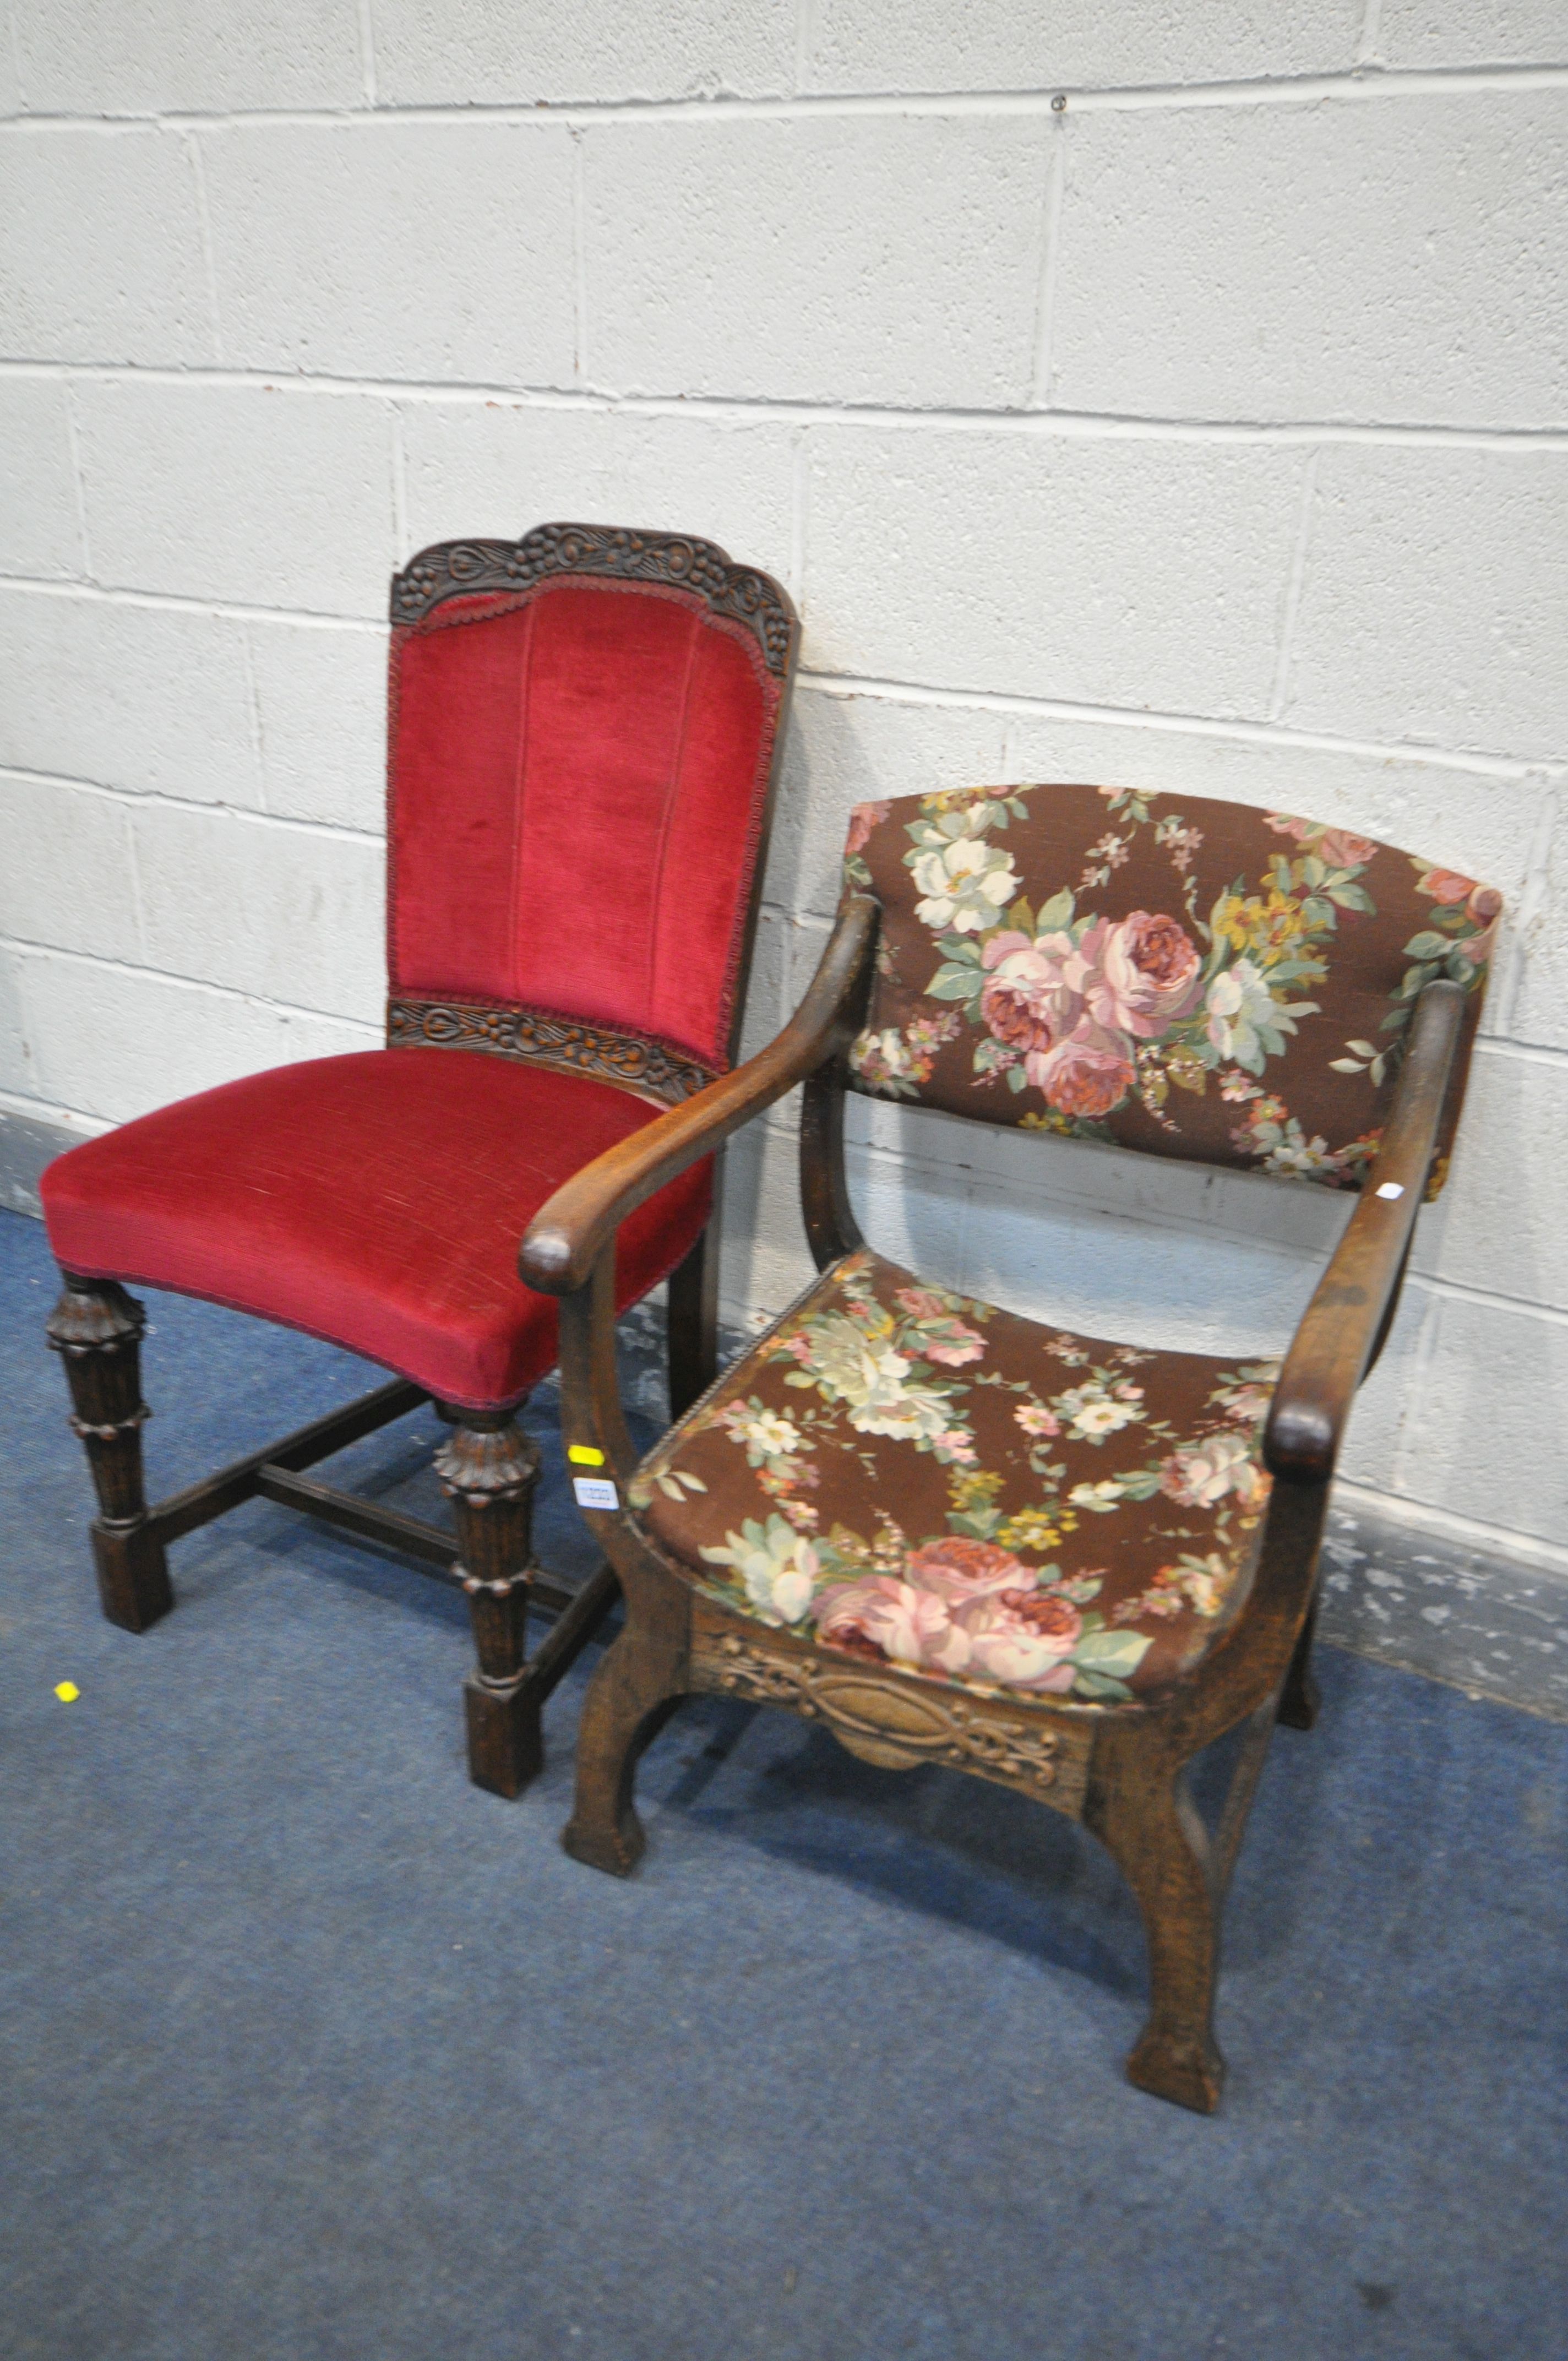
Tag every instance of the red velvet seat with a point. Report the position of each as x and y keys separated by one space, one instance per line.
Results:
x=583 y=729
x=376 y=1200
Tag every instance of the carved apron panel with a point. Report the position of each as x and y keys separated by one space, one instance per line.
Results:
x=892 y=1721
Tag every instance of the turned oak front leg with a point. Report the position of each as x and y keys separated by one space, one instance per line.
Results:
x=96 y=1329
x=489 y=1470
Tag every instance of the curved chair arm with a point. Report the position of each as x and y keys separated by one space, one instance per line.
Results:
x=1342 y=1328
x=568 y=1234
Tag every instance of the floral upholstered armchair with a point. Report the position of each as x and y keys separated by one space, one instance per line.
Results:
x=1062 y=1562
x=582 y=734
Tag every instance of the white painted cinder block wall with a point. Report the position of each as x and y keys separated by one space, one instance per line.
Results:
x=1209 y=431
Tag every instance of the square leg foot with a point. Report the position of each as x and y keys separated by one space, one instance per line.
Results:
x=133 y=1575
x=506 y=1741
x=1301 y=1702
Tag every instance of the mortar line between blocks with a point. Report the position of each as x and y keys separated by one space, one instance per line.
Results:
x=40 y=1110
x=1510 y=1541
x=258 y=735
x=1247 y=733
x=579 y=258
x=367 y=51
x=1532 y=900
x=14 y=41
x=180 y=602
x=160 y=799
x=138 y=900
x=1423 y=1357
x=805 y=43
x=1482 y=762
x=401 y=538
x=799 y=512
x=763 y=410
x=1356 y=84
x=151 y=974
x=1050 y=244
x=73 y=445
x=209 y=263
x=1529 y=1053
x=1454 y=1291
x=1371 y=29
x=1295 y=582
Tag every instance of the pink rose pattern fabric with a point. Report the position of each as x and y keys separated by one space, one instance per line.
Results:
x=916 y=1478
x=1205 y=980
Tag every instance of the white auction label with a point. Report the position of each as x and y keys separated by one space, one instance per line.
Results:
x=595 y=1492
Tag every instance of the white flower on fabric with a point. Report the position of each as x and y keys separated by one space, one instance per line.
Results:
x=882 y=1057
x=965 y=884
x=1200 y=1475
x=773 y=1436
x=867 y=1374
x=1101 y=1497
x=1301 y=1157
x=1238 y=1003
x=1094 y=1419
x=777 y=1566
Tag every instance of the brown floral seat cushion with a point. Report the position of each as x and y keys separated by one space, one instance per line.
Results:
x=908 y=1475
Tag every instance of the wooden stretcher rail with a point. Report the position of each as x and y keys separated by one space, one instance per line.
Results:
x=182 y=1512
x=273 y=1474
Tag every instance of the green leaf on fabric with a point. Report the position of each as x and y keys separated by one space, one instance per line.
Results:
x=1117 y=1652
x=952 y=983
x=1101 y=1685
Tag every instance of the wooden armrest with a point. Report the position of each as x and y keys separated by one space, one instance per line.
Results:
x=1344 y=1324
x=568 y=1234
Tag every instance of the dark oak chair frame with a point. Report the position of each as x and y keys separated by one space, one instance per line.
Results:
x=1118 y=1769
x=488 y=1467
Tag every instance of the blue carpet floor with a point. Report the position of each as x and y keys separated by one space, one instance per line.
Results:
x=312 y=2051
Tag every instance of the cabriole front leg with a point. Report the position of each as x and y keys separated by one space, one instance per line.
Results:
x=489 y=1470
x=631 y=1695
x=96 y=1329
x=1139 y=1808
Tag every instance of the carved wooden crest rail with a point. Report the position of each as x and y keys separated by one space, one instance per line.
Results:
x=460 y=568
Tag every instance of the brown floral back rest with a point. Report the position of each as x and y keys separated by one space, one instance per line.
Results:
x=1192 y=978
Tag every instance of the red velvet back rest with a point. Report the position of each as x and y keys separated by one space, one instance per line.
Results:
x=579 y=777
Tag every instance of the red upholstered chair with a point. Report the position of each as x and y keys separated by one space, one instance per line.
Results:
x=1065 y=1562
x=583 y=732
